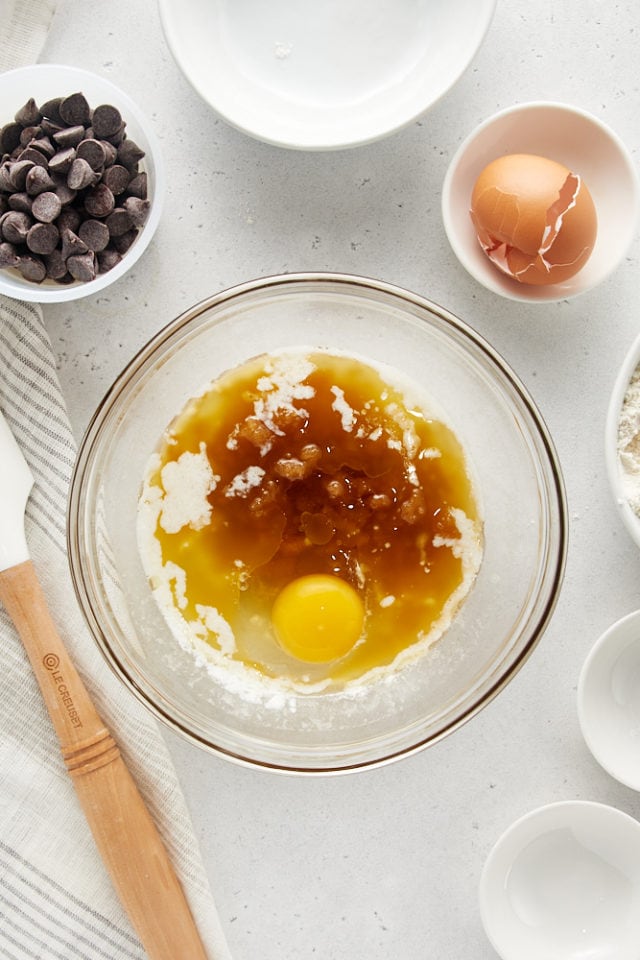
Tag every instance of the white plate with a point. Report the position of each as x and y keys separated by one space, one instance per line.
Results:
x=563 y=883
x=614 y=466
x=609 y=700
x=323 y=75
x=572 y=137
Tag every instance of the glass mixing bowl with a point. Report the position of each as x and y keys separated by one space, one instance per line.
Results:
x=518 y=482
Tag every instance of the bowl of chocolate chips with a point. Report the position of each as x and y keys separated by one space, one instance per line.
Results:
x=81 y=183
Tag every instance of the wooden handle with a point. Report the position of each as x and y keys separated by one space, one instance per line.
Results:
x=124 y=832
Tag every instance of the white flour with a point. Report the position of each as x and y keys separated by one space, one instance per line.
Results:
x=629 y=442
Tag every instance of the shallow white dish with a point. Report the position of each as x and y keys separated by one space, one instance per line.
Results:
x=47 y=80
x=572 y=137
x=615 y=469
x=609 y=700
x=323 y=75
x=563 y=883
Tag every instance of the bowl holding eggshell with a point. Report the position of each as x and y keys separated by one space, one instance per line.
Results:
x=540 y=202
x=317 y=523
x=81 y=183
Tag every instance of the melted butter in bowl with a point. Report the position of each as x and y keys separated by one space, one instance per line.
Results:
x=308 y=522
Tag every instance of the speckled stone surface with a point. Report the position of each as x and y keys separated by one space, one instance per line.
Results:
x=384 y=865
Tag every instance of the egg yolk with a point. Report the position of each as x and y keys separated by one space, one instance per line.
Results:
x=318 y=618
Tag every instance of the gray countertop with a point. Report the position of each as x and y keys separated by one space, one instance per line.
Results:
x=384 y=864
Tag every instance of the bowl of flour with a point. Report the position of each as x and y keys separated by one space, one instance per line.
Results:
x=622 y=444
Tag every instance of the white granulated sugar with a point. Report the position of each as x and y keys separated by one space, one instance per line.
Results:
x=375 y=434
x=387 y=601
x=187 y=482
x=629 y=443
x=243 y=482
x=218 y=626
x=282 y=384
x=429 y=453
x=346 y=412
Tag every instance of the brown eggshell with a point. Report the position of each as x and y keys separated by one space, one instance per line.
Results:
x=534 y=218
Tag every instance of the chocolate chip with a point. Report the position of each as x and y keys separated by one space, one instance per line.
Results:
x=44 y=146
x=138 y=186
x=10 y=137
x=20 y=201
x=61 y=162
x=51 y=110
x=46 y=207
x=32 y=268
x=95 y=234
x=93 y=152
x=75 y=110
x=37 y=181
x=56 y=265
x=29 y=133
x=15 y=226
x=106 y=121
x=5 y=178
x=124 y=242
x=69 y=136
x=100 y=201
x=117 y=178
x=29 y=114
x=129 y=154
x=137 y=209
x=72 y=245
x=110 y=153
x=118 y=222
x=107 y=259
x=35 y=156
x=43 y=238
x=82 y=267
x=50 y=128
x=8 y=255
x=80 y=175
x=19 y=171
x=69 y=219
x=64 y=192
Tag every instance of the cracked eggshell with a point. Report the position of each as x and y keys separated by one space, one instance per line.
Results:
x=535 y=219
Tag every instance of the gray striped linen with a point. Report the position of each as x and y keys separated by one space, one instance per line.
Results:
x=56 y=900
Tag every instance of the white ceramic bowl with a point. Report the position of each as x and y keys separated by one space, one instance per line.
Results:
x=618 y=473
x=42 y=82
x=563 y=883
x=609 y=700
x=323 y=75
x=583 y=144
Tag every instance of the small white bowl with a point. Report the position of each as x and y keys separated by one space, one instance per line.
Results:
x=45 y=81
x=609 y=700
x=572 y=137
x=615 y=468
x=563 y=883
x=322 y=76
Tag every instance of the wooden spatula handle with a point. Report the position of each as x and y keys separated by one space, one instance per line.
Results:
x=124 y=832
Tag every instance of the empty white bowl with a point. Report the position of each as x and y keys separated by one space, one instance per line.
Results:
x=45 y=81
x=323 y=75
x=572 y=137
x=621 y=470
x=609 y=700
x=563 y=883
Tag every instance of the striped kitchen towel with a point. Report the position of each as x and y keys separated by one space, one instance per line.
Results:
x=56 y=899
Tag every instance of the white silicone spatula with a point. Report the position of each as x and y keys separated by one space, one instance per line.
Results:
x=124 y=832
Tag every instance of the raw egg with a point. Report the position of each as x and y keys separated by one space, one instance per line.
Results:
x=318 y=618
x=535 y=219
